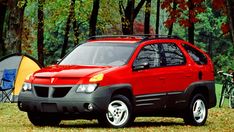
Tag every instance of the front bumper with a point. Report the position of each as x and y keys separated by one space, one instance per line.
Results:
x=71 y=103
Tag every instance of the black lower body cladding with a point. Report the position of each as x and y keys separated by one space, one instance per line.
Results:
x=72 y=104
x=205 y=87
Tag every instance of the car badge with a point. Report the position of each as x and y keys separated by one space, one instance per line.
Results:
x=52 y=80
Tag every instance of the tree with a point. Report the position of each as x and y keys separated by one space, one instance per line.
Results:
x=230 y=10
x=171 y=26
x=93 y=18
x=3 y=8
x=14 y=26
x=191 y=17
x=71 y=17
x=128 y=14
x=147 y=17
x=157 y=17
x=185 y=13
x=227 y=8
x=40 y=32
x=76 y=29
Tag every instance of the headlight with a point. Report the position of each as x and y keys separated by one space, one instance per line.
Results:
x=86 y=88
x=27 y=86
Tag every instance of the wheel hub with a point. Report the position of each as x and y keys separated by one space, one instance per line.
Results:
x=117 y=113
x=199 y=111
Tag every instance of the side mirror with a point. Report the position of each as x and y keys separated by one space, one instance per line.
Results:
x=140 y=66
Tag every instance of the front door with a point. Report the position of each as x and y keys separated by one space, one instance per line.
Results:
x=149 y=79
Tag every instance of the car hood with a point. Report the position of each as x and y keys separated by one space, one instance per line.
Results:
x=65 y=71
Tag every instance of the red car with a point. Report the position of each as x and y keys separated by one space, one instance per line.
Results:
x=117 y=78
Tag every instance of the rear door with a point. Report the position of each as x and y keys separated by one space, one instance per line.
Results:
x=177 y=69
x=177 y=73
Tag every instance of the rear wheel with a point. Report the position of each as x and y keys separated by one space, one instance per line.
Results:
x=231 y=98
x=196 y=113
x=119 y=113
x=41 y=119
x=223 y=92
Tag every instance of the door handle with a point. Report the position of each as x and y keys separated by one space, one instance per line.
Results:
x=188 y=75
x=162 y=78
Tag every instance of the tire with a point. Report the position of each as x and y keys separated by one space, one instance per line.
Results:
x=119 y=113
x=40 y=119
x=196 y=112
x=231 y=98
x=221 y=101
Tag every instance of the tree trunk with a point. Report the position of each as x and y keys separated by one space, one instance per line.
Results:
x=123 y=18
x=191 y=33
x=157 y=17
x=40 y=32
x=191 y=28
x=129 y=14
x=76 y=25
x=3 y=7
x=171 y=27
x=230 y=11
x=71 y=17
x=93 y=18
x=147 y=17
x=76 y=31
x=14 y=27
x=138 y=8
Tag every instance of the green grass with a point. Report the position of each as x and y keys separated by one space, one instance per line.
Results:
x=219 y=119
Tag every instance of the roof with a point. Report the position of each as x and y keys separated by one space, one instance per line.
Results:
x=131 y=38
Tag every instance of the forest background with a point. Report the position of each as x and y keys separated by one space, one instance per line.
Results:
x=48 y=29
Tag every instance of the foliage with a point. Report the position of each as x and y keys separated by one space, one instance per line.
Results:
x=222 y=50
x=185 y=12
x=219 y=5
x=109 y=23
x=209 y=18
x=56 y=12
x=207 y=32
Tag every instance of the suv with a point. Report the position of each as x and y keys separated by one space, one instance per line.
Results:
x=116 y=78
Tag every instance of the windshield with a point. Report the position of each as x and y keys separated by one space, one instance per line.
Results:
x=99 y=53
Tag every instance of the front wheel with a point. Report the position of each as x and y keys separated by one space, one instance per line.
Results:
x=196 y=113
x=119 y=113
x=41 y=119
x=231 y=98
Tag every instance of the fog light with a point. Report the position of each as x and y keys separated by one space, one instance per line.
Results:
x=90 y=107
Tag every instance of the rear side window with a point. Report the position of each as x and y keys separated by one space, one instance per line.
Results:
x=196 y=55
x=171 y=55
x=160 y=55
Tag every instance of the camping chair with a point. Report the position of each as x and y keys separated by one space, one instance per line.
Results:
x=7 y=83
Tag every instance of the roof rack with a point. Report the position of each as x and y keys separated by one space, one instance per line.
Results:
x=142 y=37
x=116 y=36
x=161 y=36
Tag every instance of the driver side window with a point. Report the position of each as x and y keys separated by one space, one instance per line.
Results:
x=150 y=54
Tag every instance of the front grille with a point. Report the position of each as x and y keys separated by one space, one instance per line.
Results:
x=60 y=91
x=42 y=91
x=52 y=92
